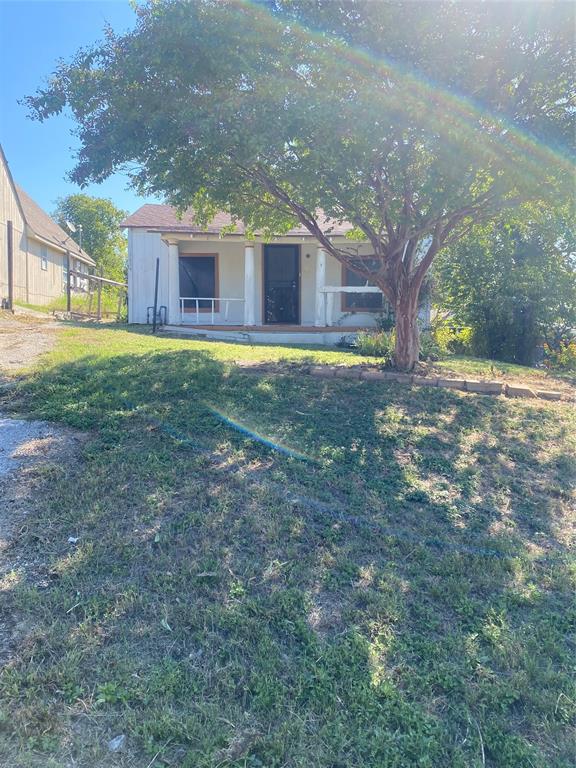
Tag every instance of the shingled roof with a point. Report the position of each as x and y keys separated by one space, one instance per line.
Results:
x=46 y=228
x=164 y=218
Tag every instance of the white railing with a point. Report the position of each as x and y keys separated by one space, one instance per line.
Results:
x=328 y=292
x=198 y=312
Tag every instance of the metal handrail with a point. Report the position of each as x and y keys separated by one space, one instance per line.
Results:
x=213 y=300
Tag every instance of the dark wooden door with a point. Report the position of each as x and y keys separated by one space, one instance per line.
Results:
x=282 y=284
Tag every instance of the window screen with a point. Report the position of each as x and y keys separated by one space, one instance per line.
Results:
x=198 y=279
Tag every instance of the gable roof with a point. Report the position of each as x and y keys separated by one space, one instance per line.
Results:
x=38 y=221
x=165 y=218
x=46 y=228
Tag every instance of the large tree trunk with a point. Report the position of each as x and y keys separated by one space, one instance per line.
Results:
x=407 y=348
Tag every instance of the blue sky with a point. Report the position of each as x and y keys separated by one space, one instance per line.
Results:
x=33 y=36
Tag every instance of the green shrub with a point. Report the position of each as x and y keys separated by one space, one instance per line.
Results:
x=429 y=347
x=450 y=339
x=376 y=344
x=386 y=321
x=511 y=280
x=562 y=357
x=438 y=342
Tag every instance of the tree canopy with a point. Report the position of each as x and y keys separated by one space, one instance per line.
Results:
x=513 y=281
x=98 y=219
x=411 y=120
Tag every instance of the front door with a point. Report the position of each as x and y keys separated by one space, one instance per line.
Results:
x=282 y=284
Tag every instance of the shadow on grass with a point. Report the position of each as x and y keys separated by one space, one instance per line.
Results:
x=225 y=604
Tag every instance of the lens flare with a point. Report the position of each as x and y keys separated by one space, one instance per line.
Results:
x=256 y=436
x=458 y=114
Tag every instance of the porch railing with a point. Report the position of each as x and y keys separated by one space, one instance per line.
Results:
x=328 y=292
x=198 y=312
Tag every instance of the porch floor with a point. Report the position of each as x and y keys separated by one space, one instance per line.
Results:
x=276 y=328
x=328 y=335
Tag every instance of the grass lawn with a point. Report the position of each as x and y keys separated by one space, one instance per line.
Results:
x=396 y=592
x=471 y=367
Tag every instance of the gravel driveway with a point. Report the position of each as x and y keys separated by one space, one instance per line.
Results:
x=26 y=449
x=23 y=338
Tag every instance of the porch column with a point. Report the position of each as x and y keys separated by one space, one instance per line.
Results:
x=249 y=285
x=173 y=293
x=320 y=313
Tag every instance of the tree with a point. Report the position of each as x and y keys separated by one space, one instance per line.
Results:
x=99 y=221
x=413 y=121
x=513 y=281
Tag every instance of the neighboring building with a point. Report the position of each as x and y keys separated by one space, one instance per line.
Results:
x=40 y=248
x=220 y=284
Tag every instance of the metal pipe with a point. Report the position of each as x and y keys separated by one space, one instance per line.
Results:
x=156 y=295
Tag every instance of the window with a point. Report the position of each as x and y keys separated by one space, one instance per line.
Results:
x=199 y=278
x=361 y=302
x=43 y=257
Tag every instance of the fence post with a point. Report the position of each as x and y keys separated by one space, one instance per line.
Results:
x=99 y=308
x=10 y=235
x=68 y=284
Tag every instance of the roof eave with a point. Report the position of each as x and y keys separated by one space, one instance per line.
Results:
x=188 y=234
x=61 y=248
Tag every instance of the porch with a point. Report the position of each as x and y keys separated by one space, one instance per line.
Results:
x=267 y=287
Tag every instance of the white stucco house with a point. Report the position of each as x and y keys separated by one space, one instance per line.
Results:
x=34 y=249
x=224 y=285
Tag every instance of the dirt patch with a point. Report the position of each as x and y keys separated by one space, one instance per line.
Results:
x=23 y=338
x=28 y=450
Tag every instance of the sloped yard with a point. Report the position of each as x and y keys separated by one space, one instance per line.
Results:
x=391 y=586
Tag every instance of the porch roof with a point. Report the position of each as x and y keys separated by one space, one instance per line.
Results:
x=164 y=218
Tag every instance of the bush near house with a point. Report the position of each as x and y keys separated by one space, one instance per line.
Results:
x=561 y=356
x=376 y=344
x=436 y=343
x=513 y=283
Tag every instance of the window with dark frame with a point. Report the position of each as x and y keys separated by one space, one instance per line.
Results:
x=361 y=302
x=198 y=278
x=43 y=257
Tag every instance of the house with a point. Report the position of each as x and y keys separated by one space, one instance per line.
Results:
x=217 y=282
x=34 y=250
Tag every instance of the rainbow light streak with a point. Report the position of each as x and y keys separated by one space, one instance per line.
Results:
x=436 y=103
x=253 y=435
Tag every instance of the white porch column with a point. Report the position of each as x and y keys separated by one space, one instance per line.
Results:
x=320 y=313
x=249 y=285
x=174 y=316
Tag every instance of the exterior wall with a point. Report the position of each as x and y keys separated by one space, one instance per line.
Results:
x=44 y=285
x=10 y=211
x=143 y=250
x=32 y=284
